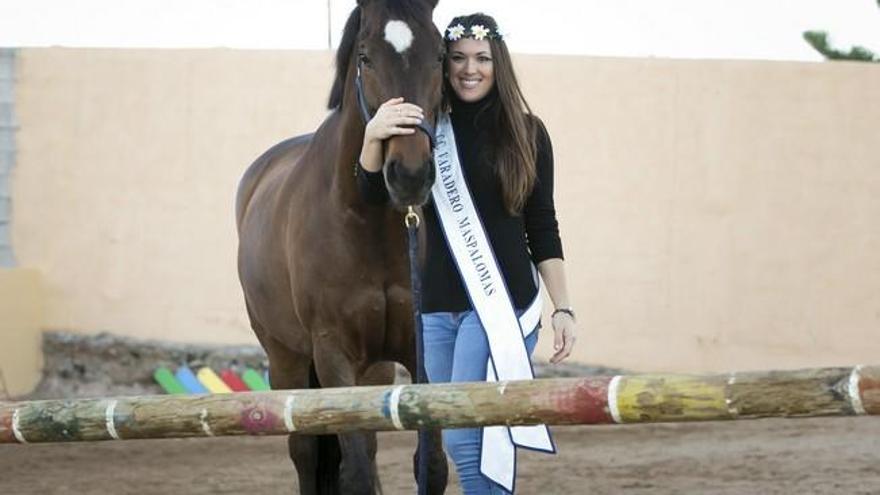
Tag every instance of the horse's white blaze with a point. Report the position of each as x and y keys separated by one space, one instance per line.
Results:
x=399 y=35
x=110 y=420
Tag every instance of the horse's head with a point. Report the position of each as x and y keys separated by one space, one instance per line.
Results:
x=398 y=52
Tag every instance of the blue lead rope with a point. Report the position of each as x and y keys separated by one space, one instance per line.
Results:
x=412 y=227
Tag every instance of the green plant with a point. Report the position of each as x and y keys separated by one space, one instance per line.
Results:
x=819 y=41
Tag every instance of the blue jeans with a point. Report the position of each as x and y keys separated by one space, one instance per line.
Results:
x=457 y=350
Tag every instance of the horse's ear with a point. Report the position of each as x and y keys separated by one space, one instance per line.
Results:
x=363 y=3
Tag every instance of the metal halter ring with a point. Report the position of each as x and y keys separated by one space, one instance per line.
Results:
x=412 y=219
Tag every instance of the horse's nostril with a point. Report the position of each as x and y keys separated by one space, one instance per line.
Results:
x=396 y=174
x=391 y=171
x=409 y=184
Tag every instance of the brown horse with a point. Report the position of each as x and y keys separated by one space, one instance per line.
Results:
x=325 y=275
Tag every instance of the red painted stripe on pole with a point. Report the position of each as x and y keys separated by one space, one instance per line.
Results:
x=586 y=403
x=6 y=434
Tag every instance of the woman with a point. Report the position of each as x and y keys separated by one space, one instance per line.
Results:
x=505 y=160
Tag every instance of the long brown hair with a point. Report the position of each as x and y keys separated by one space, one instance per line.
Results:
x=513 y=128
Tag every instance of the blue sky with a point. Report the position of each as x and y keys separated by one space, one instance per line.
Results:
x=726 y=29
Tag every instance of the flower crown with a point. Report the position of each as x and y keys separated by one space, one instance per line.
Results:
x=477 y=31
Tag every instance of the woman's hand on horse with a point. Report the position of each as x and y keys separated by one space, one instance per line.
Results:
x=393 y=118
x=564 y=336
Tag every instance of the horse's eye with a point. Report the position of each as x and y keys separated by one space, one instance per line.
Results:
x=362 y=58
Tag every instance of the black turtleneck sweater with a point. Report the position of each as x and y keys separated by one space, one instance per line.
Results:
x=517 y=241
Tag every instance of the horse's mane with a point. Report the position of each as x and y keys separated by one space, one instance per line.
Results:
x=402 y=9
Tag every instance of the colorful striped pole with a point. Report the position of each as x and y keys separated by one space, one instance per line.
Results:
x=169 y=383
x=190 y=382
x=212 y=382
x=254 y=381
x=233 y=381
x=597 y=400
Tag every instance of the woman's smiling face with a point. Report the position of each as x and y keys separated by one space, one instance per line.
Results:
x=470 y=70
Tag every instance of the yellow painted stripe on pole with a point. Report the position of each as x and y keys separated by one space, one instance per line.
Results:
x=658 y=398
x=212 y=382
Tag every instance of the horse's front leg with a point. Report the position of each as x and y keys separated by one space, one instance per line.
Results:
x=358 y=449
x=438 y=468
x=290 y=370
x=357 y=472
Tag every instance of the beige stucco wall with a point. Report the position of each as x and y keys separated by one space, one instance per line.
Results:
x=716 y=215
x=21 y=320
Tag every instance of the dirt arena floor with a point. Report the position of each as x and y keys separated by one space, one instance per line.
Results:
x=810 y=456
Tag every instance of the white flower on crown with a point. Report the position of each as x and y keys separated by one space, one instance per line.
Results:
x=479 y=32
x=456 y=32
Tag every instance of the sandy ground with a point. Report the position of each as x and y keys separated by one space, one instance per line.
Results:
x=809 y=456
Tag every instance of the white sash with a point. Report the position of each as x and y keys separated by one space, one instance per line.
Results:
x=489 y=296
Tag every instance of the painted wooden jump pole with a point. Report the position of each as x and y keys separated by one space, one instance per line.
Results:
x=562 y=401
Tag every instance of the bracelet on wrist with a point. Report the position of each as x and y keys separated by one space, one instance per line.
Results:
x=568 y=311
